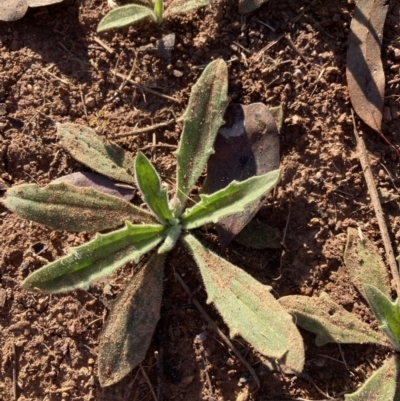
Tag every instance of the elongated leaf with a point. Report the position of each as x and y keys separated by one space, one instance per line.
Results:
x=183 y=6
x=364 y=263
x=86 y=146
x=124 y=16
x=172 y=236
x=248 y=308
x=202 y=119
x=381 y=386
x=365 y=75
x=329 y=321
x=387 y=313
x=95 y=259
x=246 y=145
x=150 y=184
x=66 y=207
x=247 y=6
x=131 y=324
x=232 y=199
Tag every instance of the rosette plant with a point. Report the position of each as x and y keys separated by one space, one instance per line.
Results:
x=247 y=306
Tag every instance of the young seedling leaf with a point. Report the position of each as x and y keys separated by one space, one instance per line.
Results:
x=184 y=6
x=381 y=386
x=131 y=323
x=172 y=236
x=387 y=313
x=258 y=235
x=247 y=6
x=232 y=199
x=99 y=183
x=86 y=146
x=66 y=207
x=95 y=259
x=365 y=75
x=202 y=119
x=124 y=16
x=329 y=321
x=149 y=184
x=246 y=145
x=364 y=263
x=248 y=307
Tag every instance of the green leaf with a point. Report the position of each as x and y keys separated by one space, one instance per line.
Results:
x=202 y=119
x=125 y=16
x=183 y=6
x=381 y=386
x=387 y=313
x=329 y=321
x=159 y=10
x=95 y=259
x=67 y=207
x=364 y=263
x=232 y=199
x=248 y=308
x=149 y=184
x=131 y=324
x=173 y=234
x=88 y=148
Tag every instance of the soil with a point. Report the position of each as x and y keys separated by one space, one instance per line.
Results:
x=54 y=69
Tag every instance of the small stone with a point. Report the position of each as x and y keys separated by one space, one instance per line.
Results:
x=396 y=54
x=179 y=64
x=336 y=18
x=177 y=73
x=90 y=101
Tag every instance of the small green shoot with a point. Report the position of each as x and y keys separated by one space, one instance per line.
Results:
x=130 y=14
x=332 y=323
x=247 y=306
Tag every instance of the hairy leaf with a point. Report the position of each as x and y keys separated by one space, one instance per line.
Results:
x=364 y=263
x=98 y=182
x=202 y=119
x=86 y=146
x=387 y=313
x=247 y=6
x=365 y=75
x=124 y=16
x=183 y=6
x=246 y=145
x=66 y=207
x=381 y=386
x=131 y=324
x=258 y=235
x=329 y=321
x=248 y=308
x=172 y=236
x=95 y=259
x=232 y=199
x=149 y=184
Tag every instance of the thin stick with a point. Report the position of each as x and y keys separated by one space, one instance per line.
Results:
x=83 y=103
x=148 y=382
x=362 y=151
x=103 y=44
x=144 y=130
x=214 y=327
x=14 y=372
x=145 y=88
x=159 y=145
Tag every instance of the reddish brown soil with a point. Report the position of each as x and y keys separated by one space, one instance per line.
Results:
x=52 y=70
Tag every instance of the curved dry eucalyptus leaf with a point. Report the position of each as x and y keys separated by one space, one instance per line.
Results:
x=183 y=6
x=247 y=6
x=149 y=184
x=248 y=308
x=365 y=75
x=258 y=235
x=95 y=259
x=66 y=207
x=130 y=326
x=88 y=148
x=124 y=16
x=13 y=10
x=364 y=263
x=99 y=183
x=237 y=196
x=387 y=313
x=246 y=146
x=329 y=321
x=381 y=386
x=202 y=119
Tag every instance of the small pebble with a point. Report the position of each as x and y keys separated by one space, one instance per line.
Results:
x=177 y=73
x=90 y=101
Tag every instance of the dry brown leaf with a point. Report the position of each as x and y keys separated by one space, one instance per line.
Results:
x=365 y=76
x=13 y=10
